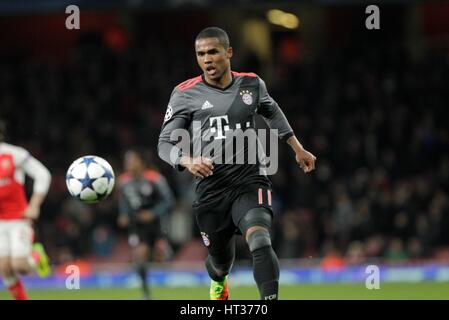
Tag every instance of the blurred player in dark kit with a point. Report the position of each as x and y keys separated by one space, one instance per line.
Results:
x=144 y=196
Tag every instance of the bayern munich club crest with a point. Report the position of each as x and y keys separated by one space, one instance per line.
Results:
x=247 y=97
x=205 y=239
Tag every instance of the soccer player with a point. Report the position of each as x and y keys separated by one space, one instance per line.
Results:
x=144 y=197
x=18 y=254
x=230 y=198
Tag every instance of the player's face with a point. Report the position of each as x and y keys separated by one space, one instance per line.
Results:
x=213 y=58
x=133 y=163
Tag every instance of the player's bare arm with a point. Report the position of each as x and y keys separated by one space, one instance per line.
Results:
x=200 y=166
x=304 y=158
x=42 y=179
x=34 y=207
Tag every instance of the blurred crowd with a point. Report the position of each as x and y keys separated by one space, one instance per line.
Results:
x=374 y=117
x=377 y=121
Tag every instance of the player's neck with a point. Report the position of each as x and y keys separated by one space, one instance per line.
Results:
x=137 y=174
x=223 y=82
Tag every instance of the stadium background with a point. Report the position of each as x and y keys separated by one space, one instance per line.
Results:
x=371 y=104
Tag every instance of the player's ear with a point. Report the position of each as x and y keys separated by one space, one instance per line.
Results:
x=229 y=53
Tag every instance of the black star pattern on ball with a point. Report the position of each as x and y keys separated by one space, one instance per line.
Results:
x=86 y=182
x=89 y=160
x=108 y=174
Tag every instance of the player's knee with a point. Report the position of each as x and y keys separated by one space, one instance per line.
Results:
x=141 y=254
x=21 y=266
x=6 y=268
x=258 y=238
x=259 y=217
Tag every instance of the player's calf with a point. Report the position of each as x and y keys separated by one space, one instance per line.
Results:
x=218 y=265
x=11 y=281
x=140 y=254
x=265 y=264
x=255 y=226
x=219 y=261
x=218 y=271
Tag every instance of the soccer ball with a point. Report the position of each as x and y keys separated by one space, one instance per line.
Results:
x=90 y=179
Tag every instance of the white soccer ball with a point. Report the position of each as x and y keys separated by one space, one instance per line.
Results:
x=90 y=179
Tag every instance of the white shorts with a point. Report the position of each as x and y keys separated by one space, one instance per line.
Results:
x=16 y=238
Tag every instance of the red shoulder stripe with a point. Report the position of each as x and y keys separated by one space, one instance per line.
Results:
x=244 y=74
x=189 y=83
x=152 y=175
x=184 y=83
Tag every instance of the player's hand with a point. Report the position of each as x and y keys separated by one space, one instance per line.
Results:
x=306 y=160
x=32 y=212
x=145 y=216
x=200 y=166
x=123 y=221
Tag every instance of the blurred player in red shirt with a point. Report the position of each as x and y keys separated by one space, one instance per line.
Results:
x=18 y=255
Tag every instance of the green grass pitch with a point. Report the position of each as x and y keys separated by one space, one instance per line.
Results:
x=389 y=291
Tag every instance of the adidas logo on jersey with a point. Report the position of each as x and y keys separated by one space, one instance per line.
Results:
x=207 y=105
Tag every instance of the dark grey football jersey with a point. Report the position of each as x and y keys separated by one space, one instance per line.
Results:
x=150 y=191
x=214 y=119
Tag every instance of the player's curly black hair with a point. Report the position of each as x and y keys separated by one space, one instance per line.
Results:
x=214 y=32
x=144 y=154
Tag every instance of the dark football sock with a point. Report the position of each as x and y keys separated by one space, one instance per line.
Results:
x=219 y=265
x=142 y=271
x=266 y=272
